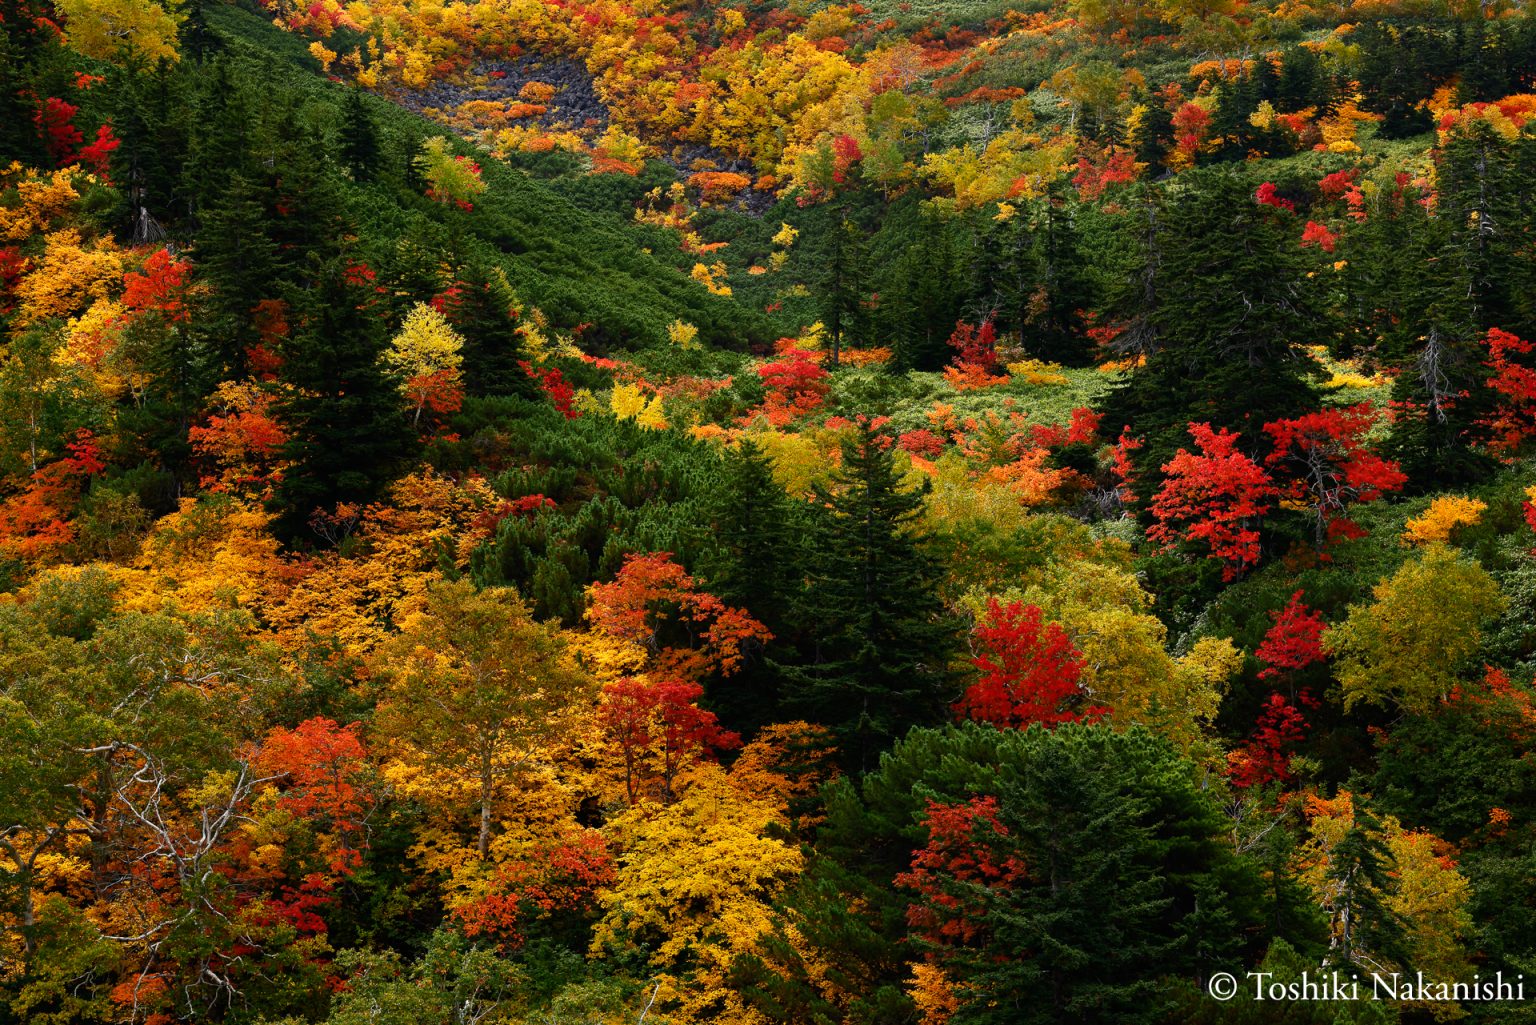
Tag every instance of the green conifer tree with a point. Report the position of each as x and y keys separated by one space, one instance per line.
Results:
x=346 y=436
x=879 y=638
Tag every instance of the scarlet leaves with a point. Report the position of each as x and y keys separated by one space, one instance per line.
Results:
x=553 y=384
x=976 y=346
x=796 y=385
x=1316 y=234
x=1267 y=755
x=556 y=875
x=1266 y=195
x=97 y=155
x=1214 y=498
x=687 y=633
x=55 y=121
x=1318 y=463
x=660 y=731
x=960 y=849
x=1031 y=672
x=1513 y=420
x=1294 y=642
x=324 y=770
x=160 y=288
x=1327 y=467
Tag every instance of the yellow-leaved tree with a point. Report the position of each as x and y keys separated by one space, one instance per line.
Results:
x=694 y=888
x=475 y=692
x=425 y=356
x=114 y=30
x=1424 y=626
x=1443 y=516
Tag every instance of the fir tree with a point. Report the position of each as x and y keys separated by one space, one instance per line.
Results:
x=921 y=302
x=239 y=263
x=360 y=150
x=877 y=659
x=1366 y=933
x=346 y=437
x=1222 y=339
x=842 y=286
x=485 y=311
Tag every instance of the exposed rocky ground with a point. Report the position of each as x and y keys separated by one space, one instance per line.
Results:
x=575 y=107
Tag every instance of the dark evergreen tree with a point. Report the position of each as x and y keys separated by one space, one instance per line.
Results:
x=1128 y=876
x=176 y=379
x=1153 y=136
x=485 y=311
x=239 y=263
x=23 y=40
x=879 y=639
x=1440 y=282
x=149 y=117
x=921 y=301
x=346 y=435
x=359 y=144
x=842 y=286
x=308 y=214
x=752 y=564
x=1303 y=82
x=1368 y=933
x=1045 y=285
x=1230 y=309
x=752 y=523
x=221 y=143
x=198 y=40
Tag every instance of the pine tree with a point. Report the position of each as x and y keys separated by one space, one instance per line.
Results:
x=360 y=150
x=198 y=40
x=1041 y=284
x=343 y=416
x=221 y=143
x=879 y=638
x=20 y=43
x=149 y=117
x=1411 y=279
x=485 y=312
x=1232 y=307
x=842 y=286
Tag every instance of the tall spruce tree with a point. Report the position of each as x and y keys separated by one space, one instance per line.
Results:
x=878 y=637
x=1225 y=338
x=360 y=151
x=485 y=312
x=920 y=301
x=753 y=565
x=347 y=437
x=843 y=286
x=240 y=265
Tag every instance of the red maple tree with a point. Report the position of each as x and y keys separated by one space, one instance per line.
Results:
x=961 y=848
x=1267 y=754
x=1294 y=642
x=1215 y=498
x=1031 y=671
x=660 y=730
x=1322 y=463
x=1513 y=420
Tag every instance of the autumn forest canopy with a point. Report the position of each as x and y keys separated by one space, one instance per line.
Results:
x=580 y=512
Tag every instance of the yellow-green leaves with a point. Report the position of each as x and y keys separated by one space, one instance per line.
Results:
x=1424 y=626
